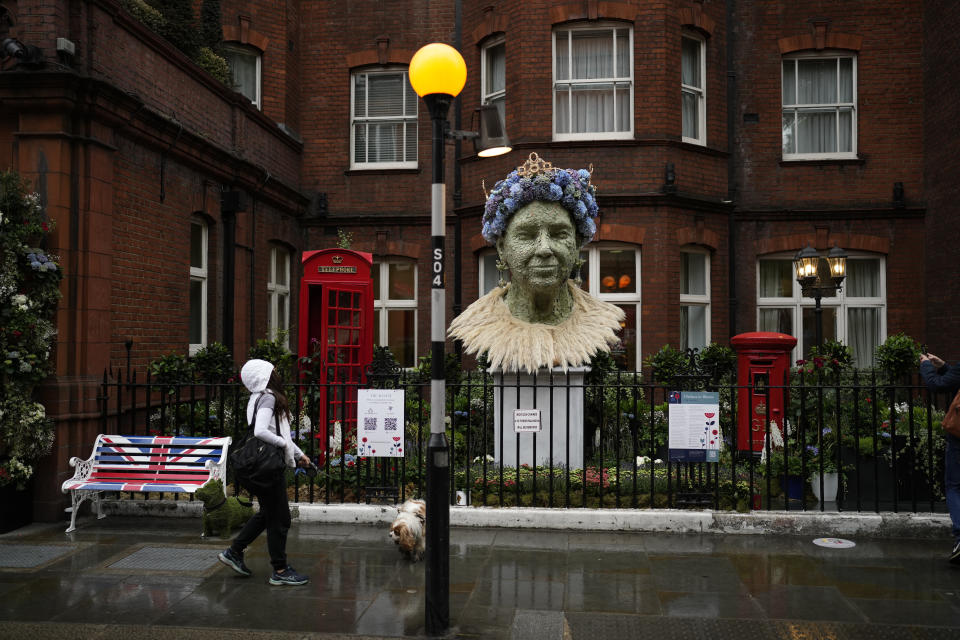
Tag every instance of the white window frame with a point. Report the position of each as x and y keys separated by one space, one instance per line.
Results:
x=840 y=303
x=199 y=274
x=699 y=92
x=492 y=97
x=592 y=267
x=240 y=49
x=407 y=119
x=628 y=79
x=383 y=303
x=698 y=300
x=275 y=291
x=837 y=106
x=484 y=286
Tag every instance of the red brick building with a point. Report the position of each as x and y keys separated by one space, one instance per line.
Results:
x=724 y=137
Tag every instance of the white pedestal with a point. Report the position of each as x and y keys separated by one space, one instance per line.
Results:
x=559 y=396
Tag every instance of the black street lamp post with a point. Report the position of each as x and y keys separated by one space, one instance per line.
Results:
x=437 y=74
x=815 y=281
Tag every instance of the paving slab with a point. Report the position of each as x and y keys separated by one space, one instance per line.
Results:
x=150 y=577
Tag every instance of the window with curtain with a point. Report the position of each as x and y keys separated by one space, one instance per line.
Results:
x=278 y=292
x=395 y=308
x=820 y=107
x=856 y=315
x=244 y=63
x=199 y=255
x=693 y=89
x=494 y=77
x=383 y=124
x=592 y=82
x=694 y=299
x=611 y=272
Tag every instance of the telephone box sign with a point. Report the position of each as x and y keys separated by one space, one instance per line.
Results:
x=326 y=268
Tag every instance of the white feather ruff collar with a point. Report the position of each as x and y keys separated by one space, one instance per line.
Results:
x=513 y=344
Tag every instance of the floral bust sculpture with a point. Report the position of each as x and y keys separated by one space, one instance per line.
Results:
x=538 y=218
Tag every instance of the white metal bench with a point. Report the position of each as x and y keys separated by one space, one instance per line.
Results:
x=167 y=464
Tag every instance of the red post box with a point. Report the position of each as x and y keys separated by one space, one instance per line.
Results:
x=336 y=324
x=763 y=380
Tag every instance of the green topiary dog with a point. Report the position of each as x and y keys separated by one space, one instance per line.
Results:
x=220 y=513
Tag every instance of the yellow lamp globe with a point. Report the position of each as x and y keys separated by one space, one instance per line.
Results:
x=437 y=68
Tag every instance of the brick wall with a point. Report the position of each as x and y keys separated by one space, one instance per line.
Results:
x=942 y=165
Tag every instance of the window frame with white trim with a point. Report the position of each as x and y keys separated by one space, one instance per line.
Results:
x=385 y=306
x=794 y=113
x=693 y=90
x=405 y=118
x=594 y=284
x=865 y=296
x=488 y=274
x=278 y=294
x=493 y=75
x=237 y=52
x=620 y=82
x=197 y=295
x=694 y=296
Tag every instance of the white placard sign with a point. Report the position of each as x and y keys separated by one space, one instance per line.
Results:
x=694 y=426
x=380 y=423
x=526 y=420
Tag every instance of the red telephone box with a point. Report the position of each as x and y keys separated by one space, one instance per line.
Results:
x=763 y=378
x=336 y=320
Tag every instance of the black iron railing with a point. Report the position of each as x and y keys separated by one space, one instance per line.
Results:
x=883 y=441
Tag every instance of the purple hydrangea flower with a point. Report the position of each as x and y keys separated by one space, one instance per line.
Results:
x=570 y=187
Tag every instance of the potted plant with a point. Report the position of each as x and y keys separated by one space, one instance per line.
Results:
x=29 y=291
x=822 y=457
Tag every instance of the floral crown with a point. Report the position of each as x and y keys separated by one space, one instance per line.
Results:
x=537 y=179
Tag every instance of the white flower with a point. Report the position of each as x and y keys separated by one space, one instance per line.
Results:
x=19 y=299
x=642 y=461
x=658 y=461
x=488 y=457
x=25 y=367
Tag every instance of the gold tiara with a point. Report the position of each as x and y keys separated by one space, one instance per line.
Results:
x=533 y=165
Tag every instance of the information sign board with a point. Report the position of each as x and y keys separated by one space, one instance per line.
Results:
x=694 y=426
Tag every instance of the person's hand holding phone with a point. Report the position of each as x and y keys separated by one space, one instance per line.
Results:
x=934 y=360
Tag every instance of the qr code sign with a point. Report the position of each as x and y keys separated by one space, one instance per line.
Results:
x=389 y=424
x=369 y=424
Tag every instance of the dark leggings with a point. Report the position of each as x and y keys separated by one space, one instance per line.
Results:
x=274 y=516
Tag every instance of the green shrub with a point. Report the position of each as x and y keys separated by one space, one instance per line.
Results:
x=719 y=361
x=29 y=291
x=213 y=364
x=146 y=14
x=211 y=19
x=276 y=353
x=170 y=370
x=898 y=356
x=668 y=364
x=214 y=64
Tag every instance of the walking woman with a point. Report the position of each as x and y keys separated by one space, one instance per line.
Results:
x=940 y=377
x=267 y=400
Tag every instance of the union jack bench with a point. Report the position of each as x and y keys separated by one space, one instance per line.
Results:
x=144 y=464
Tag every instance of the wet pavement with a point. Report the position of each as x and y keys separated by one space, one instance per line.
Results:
x=140 y=577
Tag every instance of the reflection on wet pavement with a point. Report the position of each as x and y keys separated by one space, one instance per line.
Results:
x=503 y=584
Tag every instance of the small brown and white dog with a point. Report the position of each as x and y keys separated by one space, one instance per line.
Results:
x=408 y=529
